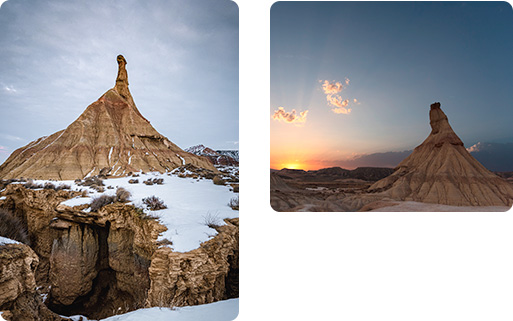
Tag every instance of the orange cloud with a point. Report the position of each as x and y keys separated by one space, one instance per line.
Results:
x=332 y=88
x=290 y=117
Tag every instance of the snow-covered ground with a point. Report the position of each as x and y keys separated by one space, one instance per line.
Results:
x=217 y=311
x=190 y=203
x=4 y=240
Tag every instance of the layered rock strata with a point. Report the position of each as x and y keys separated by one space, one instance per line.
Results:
x=19 y=298
x=442 y=171
x=106 y=262
x=110 y=135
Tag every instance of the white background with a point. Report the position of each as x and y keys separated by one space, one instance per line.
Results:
x=355 y=266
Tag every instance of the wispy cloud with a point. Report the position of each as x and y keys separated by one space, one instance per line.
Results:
x=331 y=89
x=9 y=89
x=290 y=117
x=11 y=137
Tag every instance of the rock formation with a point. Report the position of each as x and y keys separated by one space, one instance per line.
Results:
x=111 y=134
x=98 y=263
x=442 y=171
x=19 y=299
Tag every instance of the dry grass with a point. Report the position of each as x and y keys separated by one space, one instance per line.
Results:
x=154 y=203
x=212 y=220
x=12 y=227
x=234 y=203
x=100 y=201
x=122 y=195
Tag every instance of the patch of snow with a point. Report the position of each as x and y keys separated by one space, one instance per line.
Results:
x=110 y=153
x=218 y=311
x=4 y=241
x=2 y=198
x=1 y=318
x=183 y=160
x=54 y=140
x=190 y=203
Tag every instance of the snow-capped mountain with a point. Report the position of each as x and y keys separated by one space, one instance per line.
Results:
x=217 y=157
x=231 y=153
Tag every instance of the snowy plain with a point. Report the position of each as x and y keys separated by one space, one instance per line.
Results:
x=190 y=204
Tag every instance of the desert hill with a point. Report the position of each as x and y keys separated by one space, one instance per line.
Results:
x=442 y=171
x=111 y=136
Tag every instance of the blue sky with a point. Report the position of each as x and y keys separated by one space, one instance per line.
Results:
x=59 y=56
x=395 y=59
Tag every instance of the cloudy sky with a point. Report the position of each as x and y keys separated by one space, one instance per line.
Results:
x=355 y=78
x=59 y=56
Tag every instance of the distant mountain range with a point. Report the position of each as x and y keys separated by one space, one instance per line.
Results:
x=496 y=157
x=334 y=173
x=217 y=157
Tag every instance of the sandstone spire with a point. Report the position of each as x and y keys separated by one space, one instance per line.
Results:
x=110 y=135
x=122 y=80
x=442 y=171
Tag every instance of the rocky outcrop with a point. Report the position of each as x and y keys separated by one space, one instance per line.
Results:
x=442 y=171
x=110 y=135
x=109 y=261
x=204 y=275
x=19 y=299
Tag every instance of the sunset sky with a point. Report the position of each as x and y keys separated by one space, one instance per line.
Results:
x=353 y=78
x=59 y=56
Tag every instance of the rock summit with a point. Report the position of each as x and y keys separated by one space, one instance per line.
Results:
x=110 y=137
x=442 y=171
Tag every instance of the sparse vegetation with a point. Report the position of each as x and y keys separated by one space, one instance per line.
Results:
x=218 y=180
x=150 y=181
x=100 y=201
x=49 y=185
x=122 y=195
x=154 y=203
x=212 y=220
x=31 y=185
x=12 y=227
x=133 y=181
x=94 y=182
x=234 y=203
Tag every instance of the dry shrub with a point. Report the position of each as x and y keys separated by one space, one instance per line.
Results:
x=49 y=185
x=133 y=181
x=62 y=187
x=234 y=203
x=212 y=220
x=148 y=182
x=122 y=195
x=218 y=180
x=154 y=203
x=12 y=227
x=100 y=201
x=30 y=184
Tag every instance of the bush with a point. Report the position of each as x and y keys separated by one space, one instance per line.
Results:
x=218 y=180
x=212 y=220
x=122 y=195
x=148 y=182
x=91 y=181
x=133 y=181
x=12 y=227
x=62 y=187
x=49 y=185
x=30 y=184
x=154 y=203
x=234 y=203
x=100 y=201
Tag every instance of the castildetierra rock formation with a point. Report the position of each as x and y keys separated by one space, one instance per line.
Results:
x=110 y=136
x=442 y=171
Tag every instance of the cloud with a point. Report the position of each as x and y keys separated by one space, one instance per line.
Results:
x=11 y=137
x=10 y=89
x=290 y=117
x=331 y=89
